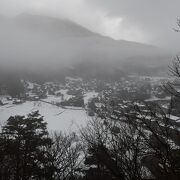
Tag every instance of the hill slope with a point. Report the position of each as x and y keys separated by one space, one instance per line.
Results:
x=40 y=42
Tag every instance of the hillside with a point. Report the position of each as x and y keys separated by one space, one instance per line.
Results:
x=46 y=43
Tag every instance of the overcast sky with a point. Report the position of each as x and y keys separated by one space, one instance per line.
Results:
x=147 y=21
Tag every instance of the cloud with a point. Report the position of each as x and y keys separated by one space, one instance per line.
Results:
x=155 y=19
x=135 y=20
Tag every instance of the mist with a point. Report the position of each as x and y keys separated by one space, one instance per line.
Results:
x=42 y=43
x=52 y=35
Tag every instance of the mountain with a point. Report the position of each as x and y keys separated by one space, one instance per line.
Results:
x=45 y=43
x=60 y=27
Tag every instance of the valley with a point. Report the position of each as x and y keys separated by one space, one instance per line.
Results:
x=70 y=105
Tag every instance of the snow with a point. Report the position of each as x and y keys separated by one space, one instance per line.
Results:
x=175 y=118
x=73 y=79
x=58 y=119
x=30 y=85
x=64 y=92
x=4 y=99
x=158 y=99
x=54 y=99
x=89 y=95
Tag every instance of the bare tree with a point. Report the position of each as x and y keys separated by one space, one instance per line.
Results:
x=134 y=144
x=117 y=147
x=65 y=156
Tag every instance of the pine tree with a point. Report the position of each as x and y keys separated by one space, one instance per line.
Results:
x=23 y=143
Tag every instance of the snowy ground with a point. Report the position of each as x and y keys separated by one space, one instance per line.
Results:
x=56 y=117
x=89 y=95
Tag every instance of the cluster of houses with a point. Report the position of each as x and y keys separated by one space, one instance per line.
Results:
x=72 y=92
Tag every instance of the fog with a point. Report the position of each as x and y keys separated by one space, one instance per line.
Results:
x=48 y=36
x=150 y=22
x=43 y=43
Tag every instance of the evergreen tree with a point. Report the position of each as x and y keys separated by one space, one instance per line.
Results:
x=23 y=144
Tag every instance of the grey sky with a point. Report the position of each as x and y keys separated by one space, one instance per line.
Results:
x=148 y=21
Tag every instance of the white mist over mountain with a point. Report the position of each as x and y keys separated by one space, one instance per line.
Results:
x=42 y=42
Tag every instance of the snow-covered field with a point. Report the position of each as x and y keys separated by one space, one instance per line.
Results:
x=56 y=117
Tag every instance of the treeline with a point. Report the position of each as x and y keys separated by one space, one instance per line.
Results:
x=11 y=85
